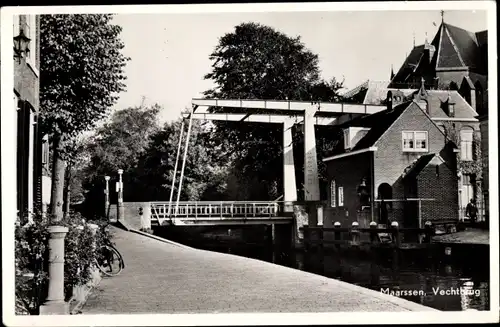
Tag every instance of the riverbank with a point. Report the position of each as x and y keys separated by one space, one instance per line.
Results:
x=468 y=236
x=165 y=278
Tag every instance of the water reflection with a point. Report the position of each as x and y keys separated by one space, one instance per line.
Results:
x=440 y=285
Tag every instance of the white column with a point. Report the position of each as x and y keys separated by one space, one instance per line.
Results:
x=311 y=180
x=289 y=182
x=30 y=166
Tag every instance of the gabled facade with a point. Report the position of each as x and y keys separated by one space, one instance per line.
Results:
x=402 y=155
x=32 y=148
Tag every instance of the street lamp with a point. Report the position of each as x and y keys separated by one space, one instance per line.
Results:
x=106 y=192
x=21 y=45
x=120 y=212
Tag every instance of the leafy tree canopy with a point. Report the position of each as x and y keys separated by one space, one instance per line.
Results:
x=81 y=71
x=258 y=62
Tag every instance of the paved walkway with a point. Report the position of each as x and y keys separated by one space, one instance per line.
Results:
x=469 y=236
x=165 y=278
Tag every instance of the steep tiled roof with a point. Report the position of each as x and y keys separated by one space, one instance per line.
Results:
x=454 y=47
x=375 y=96
x=466 y=43
x=409 y=65
x=435 y=100
x=419 y=164
x=378 y=124
x=448 y=54
x=364 y=90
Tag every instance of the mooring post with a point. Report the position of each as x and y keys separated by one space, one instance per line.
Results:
x=373 y=233
x=337 y=236
x=395 y=233
x=355 y=233
x=428 y=231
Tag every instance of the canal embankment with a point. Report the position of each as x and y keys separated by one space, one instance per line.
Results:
x=165 y=278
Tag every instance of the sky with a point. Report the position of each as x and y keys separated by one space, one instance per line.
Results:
x=170 y=51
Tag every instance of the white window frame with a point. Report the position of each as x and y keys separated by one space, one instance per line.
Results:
x=333 y=194
x=467 y=146
x=414 y=149
x=31 y=57
x=341 y=196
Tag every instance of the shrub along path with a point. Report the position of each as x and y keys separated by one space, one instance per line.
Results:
x=165 y=278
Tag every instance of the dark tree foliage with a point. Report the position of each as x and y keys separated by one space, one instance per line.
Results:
x=258 y=62
x=81 y=73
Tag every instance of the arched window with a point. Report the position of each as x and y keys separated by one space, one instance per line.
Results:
x=333 y=194
x=466 y=143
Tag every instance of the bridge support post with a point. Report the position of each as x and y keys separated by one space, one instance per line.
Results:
x=311 y=179
x=289 y=182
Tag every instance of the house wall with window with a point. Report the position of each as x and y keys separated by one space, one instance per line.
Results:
x=345 y=175
x=412 y=135
x=26 y=103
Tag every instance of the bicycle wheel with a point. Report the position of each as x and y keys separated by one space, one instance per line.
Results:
x=110 y=262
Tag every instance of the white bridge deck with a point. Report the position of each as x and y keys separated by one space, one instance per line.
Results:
x=219 y=213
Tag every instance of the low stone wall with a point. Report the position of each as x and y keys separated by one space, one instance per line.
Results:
x=131 y=218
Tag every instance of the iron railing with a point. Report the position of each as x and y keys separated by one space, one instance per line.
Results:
x=213 y=210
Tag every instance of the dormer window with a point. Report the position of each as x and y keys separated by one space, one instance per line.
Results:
x=451 y=109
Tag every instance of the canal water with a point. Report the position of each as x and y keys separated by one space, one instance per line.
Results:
x=431 y=281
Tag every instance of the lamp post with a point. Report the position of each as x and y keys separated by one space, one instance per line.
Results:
x=106 y=192
x=120 y=212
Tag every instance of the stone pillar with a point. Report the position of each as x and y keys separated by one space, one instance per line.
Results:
x=311 y=180
x=55 y=304
x=146 y=216
x=289 y=182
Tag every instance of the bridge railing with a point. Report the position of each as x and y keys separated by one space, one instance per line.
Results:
x=216 y=209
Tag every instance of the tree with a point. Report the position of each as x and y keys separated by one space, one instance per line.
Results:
x=117 y=144
x=258 y=62
x=81 y=73
x=206 y=168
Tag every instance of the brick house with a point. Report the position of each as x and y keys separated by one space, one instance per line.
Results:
x=32 y=147
x=384 y=159
x=461 y=123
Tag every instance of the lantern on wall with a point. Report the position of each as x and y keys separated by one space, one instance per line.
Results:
x=21 y=45
x=363 y=193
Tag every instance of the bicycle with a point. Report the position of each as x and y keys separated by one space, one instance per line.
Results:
x=109 y=260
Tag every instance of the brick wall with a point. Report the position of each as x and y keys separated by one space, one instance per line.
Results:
x=441 y=184
x=347 y=173
x=131 y=214
x=390 y=160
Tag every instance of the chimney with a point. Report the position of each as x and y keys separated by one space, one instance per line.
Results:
x=389 y=100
